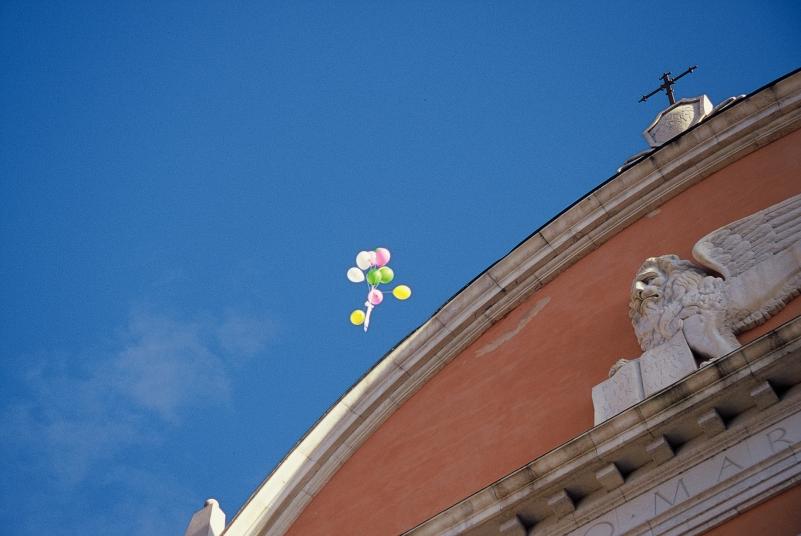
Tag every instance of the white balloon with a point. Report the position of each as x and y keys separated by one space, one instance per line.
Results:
x=363 y=260
x=355 y=275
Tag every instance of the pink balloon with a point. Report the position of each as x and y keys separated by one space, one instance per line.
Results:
x=381 y=256
x=375 y=296
x=372 y=258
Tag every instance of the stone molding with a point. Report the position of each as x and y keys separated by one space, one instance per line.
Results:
x=751 y=123
x=648 y=448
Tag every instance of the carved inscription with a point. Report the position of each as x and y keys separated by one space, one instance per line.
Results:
x=728 y=465
x=662 y=503
x=776 y=438
x=693 y=484
x=604 y=528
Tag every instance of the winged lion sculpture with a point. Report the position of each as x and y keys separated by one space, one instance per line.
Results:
x=748 y=271
x=686 y=315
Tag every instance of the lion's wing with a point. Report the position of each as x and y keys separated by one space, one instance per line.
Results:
x=760 y=258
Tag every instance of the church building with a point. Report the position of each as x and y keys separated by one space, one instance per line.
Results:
x=633 y=367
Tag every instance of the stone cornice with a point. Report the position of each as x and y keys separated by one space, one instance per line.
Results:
x=619 y=459
x=753 y=122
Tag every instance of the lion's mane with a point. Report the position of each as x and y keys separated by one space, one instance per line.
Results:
x=688 y=290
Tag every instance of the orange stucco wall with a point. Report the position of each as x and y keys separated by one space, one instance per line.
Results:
x=488 y=413
x=778 y=516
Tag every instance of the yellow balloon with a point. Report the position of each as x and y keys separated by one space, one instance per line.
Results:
x=357 y=317
x=402 y=292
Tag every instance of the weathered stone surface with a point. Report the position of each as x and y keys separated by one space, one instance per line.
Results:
x=609 y=477
x=711 y=423
x=561 y=504
x=621 y=391
x=659 y=450
x=764 y=395
x=513 y=527
x=670 y=297
x=666 y=364
x=676 y=119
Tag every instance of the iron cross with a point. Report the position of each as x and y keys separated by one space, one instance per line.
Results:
x=667 y=85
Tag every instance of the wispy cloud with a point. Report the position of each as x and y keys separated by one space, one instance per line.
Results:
x=244 y=335
x=167 y=366
x=83 y=412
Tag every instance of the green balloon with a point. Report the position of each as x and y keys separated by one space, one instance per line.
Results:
x=373 y=277
x=386 y=273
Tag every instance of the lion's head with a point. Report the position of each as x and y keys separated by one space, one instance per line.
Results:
x=667 y=290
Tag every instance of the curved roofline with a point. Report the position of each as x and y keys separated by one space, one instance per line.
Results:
x=754 y=121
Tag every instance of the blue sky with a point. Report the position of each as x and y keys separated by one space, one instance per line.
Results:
x=183 y=186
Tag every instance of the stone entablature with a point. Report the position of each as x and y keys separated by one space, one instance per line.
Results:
x=712 y=145
x=724 y=438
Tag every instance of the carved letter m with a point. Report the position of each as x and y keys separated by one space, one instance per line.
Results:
x=679 y=486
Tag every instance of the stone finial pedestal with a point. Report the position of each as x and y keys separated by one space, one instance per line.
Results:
x=208 y=521
x=677 y=118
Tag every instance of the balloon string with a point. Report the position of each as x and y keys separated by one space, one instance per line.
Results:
x=367 y=318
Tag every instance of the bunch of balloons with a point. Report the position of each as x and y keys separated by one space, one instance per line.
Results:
x=371 y=266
